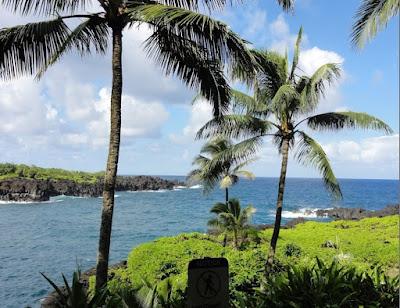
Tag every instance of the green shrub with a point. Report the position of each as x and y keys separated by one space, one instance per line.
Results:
x=166 y=260
x=292 y=250
x=328 y=286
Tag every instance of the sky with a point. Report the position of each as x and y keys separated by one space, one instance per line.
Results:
x=63 y=119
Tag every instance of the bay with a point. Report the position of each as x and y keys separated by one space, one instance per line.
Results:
x=52 y=237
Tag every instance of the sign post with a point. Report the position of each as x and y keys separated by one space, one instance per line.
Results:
x=208 y=283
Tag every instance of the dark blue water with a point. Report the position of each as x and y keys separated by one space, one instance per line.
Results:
x=52 y=237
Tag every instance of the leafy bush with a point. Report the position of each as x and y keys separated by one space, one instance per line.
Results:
x=292 y=250
x=328 y=286
x=166 y=260
x=8 y=171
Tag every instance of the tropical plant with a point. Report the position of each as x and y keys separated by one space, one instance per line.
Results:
x=76 y=296
x=372 y=17
x=281 y=102
x=184 y=43
x=329 y=285
x=231 y=217
x=214 y=165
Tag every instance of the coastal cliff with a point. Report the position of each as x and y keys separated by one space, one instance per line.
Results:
x=37 y=190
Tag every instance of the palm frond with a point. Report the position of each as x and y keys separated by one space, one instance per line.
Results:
x=348 y=119
x=26 y=49
x=309 y=152
x=287 y=5
x=190 y=63
x=243 y=103
x=315 y=88
x=296 y=53
x=219 y=208
x=284 y=97
x=237 y=153
x=246 y=215
x=91 y=34
x=215 y=37
x=45 y=7
x=273 y=72
x=246 y=174
x=234 y=126
x=372 y=17
x=195 y=5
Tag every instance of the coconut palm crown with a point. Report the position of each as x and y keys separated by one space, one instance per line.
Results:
x=281 y=104
x=215 y=166
x=372 y=16
x=231 y=217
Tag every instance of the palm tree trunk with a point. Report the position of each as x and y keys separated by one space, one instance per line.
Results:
x=278 y=216
x=226 y=195
x=235 y=237
x=112 y=162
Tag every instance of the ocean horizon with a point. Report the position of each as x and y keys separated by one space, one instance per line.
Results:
x=52 y=236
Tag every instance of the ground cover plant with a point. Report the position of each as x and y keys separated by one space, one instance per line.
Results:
x=352 y=255
x=11 y=171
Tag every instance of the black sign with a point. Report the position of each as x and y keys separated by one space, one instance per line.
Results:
x=208 y=283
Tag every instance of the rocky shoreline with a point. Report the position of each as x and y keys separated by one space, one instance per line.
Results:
x=33 y=190
x=341 y=213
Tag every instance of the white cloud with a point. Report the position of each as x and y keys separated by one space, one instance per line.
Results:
x=282 y=39
x=139 y=119
x=200 y=114
x=23 y=109
x=378 y=150
x=311 y=59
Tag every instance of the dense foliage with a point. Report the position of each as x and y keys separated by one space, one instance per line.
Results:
x=9 y=171
x=353 y=266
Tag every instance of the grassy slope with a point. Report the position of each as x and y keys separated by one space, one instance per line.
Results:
x=11 y=171
x=362 y=244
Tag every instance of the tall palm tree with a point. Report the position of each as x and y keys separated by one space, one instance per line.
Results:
x=281 y=103
x=215 y=166
x=231 y=217
x=372 y=17
x=184 y=42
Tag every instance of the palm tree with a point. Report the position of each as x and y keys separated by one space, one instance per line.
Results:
x=214 y=166
x=281 y=103
x=372 y=17
x=184 y=42
x=231 y=217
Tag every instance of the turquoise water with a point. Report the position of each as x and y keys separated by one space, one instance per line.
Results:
x=52 y=237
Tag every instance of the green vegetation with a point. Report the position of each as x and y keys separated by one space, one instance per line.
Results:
x=11 y=171
x=284 y=100
x=372 y=17
x=231 y=217
x=366 y=249
x=216 y=164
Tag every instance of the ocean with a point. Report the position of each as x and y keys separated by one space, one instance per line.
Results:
x=53 y=237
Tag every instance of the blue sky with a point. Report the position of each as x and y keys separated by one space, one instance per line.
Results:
x=62 y=120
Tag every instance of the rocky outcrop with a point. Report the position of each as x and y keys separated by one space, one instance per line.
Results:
x=357 y=213
x=33 y=190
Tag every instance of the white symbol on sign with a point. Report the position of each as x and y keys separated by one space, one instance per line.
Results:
x=208 y=285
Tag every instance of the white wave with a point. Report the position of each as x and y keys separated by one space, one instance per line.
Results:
x=304 y=213
x=115 y=196
x=31 y=202
x=196 y=186
x=179 y=187
x=148 y=191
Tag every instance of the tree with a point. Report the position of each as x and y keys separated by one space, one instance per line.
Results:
x=372 y=17
x=214 y=165
x=282 y=101
x=231 y=217
x=184 y=42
